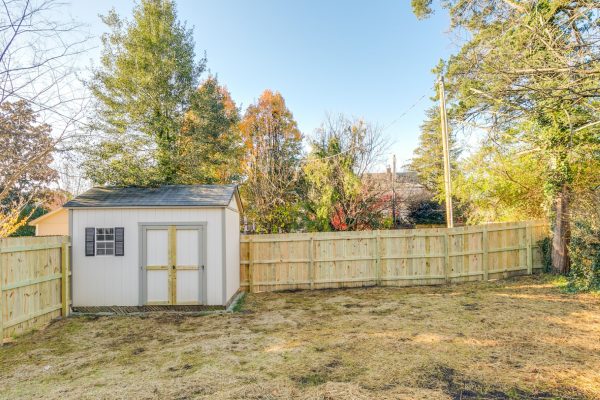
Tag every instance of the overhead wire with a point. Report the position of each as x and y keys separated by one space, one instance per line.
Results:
x=404 y=113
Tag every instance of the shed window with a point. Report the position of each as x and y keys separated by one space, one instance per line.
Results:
x=105 y=241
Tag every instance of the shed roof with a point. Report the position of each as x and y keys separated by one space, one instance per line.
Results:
x=161 y=196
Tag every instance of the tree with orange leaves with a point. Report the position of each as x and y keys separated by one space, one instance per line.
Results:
x=209 y=147
x=272 y=191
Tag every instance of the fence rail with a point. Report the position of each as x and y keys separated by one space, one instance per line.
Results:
x=34 y=282
x=35 y=271
x=390 y=258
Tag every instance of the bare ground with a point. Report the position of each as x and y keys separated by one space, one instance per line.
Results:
x=519 y=338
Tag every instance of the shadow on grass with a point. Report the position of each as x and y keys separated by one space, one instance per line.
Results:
x=459 y=387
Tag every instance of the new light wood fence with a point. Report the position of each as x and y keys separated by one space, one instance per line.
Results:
x=34 y=282
x=390 y=258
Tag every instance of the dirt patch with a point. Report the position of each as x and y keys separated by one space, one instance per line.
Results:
x=460 y=387
x=514 y=339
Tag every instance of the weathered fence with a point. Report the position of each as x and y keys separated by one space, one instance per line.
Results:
x=390 y=258
x=34 y=282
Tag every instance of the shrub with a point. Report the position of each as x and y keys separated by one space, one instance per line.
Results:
x=546 y=250
x=426 y=212
x=584 y=251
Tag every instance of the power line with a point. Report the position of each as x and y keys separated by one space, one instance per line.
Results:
x=383 y=130
x=405 y=112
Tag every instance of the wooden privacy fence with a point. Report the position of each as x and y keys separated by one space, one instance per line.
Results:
x=390 y=258
x=34 y=282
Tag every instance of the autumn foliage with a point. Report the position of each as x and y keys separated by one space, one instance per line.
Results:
x=273 y=153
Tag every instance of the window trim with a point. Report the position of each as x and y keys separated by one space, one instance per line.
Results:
x=103 y=241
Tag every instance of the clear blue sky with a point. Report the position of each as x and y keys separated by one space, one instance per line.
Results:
x=369 y=59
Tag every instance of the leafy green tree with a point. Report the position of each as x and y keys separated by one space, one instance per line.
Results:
x=528 y=75
x=340 y=194
x=143 y=88
x=272 y=191
x=501 y=186
x=421 y=8
x=210 y=146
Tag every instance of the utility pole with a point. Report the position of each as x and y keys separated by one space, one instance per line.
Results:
x=394 y=191
x=446 y=151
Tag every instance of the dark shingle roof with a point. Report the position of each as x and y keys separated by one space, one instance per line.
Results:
x=162 y=196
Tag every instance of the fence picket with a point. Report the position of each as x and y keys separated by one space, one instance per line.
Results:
x=485 y=247
x=447 y=257
x=31 y=265
x=529 y=250
x=311 y=257
x=397 y=257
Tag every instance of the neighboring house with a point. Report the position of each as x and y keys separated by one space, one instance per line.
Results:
x=407 y=188
x=170 y=245
x=56 y=222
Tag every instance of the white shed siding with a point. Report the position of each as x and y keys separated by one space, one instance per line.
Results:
x=232 y=223
x=233 y=204
x=113 y=280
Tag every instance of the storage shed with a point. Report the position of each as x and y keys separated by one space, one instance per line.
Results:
x=169 y=245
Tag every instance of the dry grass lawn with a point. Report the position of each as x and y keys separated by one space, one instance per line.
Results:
x=519 y=338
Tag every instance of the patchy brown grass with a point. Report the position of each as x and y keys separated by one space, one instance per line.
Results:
x=519 y=338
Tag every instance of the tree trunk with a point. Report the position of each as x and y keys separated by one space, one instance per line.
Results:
x=561 y=234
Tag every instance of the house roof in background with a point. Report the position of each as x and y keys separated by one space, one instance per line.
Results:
x=161 y=196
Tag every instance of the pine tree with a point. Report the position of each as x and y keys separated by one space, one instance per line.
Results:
x=427 y=161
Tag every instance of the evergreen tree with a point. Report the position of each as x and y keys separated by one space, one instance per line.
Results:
x=209 y=147
x=143 y=88
x=428 y=161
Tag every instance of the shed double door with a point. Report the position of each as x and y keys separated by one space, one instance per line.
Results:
x=173 y=264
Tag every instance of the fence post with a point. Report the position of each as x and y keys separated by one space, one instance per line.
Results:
x=1 y=300
x=64 y=264
x=377 y=259
x=250 y=265
x=311 y=265
x=447 y=256
x=529 y=250
x=485 y=248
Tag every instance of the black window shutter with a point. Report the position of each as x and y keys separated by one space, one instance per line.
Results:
x=90 y=241
x=119 y=241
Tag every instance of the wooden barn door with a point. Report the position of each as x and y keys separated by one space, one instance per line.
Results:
x=173 y=270
x=186 y=269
